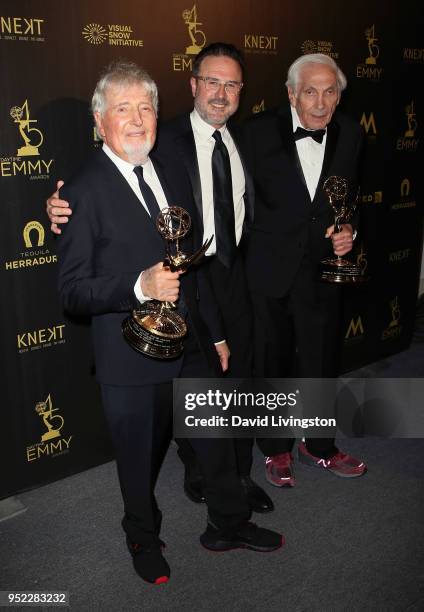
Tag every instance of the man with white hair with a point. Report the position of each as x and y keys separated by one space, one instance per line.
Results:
x=110 y=259
x=290 y=153
x=201 y=150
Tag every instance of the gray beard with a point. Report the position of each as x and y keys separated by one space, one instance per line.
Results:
x=138 y=155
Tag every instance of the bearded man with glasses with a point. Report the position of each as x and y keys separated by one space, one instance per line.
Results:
x=203 y=150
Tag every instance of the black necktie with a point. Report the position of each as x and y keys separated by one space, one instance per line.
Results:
x=317 y=135
x=225 y=233
x=148 y=195
x=154 y=210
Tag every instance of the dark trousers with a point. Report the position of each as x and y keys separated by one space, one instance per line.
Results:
x=231 y=292
x=140 y=422
x=298 y=335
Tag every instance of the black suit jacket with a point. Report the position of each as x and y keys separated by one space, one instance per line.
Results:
x=287 y=235
x=109 y=240
x=176 y=147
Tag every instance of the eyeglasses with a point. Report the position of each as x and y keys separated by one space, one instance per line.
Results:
x=232 y=88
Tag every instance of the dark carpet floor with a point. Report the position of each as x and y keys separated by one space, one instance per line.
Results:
x=352 y=545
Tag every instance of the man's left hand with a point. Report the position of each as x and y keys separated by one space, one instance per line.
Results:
x=343 y=240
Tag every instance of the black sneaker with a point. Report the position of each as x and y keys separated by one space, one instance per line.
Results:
x=149 y=563
x=247 y=535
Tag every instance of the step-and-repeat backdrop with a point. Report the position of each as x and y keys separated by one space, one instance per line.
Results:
x=51 y=53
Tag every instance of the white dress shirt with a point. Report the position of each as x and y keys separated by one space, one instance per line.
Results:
x=151 y=178
x=205 y=143
x=311 y=156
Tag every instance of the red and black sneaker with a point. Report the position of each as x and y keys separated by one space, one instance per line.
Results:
x=340 y=464
x=279 y=470
x=149 y=562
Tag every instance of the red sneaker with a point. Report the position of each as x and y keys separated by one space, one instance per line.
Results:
x=279 y=470
x=340 y=464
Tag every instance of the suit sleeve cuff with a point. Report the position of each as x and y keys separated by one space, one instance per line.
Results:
x=138 y=292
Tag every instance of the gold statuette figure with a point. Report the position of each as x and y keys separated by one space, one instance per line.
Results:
x=337 y=269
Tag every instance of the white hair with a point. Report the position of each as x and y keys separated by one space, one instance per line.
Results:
x=293 y=74
x=121 y=72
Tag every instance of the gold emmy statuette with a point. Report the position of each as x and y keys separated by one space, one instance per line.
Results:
x=197 y=37
x=412 y=122
x=20 y=114
x=361 y=260
x=45 y=410
x=373 y=49
x=395 y=308
x=336 y=269
x=258 y=108
x=156 y=329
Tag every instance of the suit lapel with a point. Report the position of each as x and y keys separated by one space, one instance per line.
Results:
x=249 y=192
x=289 y=145
x=187 y=241
x=187 y=147
x=170 y=197
x=330 y=149
x=129 y=198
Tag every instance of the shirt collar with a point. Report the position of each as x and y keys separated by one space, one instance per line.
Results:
x=203 y=129
x=126 y=168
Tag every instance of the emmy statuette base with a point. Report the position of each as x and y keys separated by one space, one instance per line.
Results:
x=341 y=271
x=155 y=331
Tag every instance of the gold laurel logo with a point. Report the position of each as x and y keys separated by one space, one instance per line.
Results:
x=308 y=46
x=94 y=33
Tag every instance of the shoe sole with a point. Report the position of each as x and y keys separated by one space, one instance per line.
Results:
x=334 y=472
x=289 y=483
x=221 y=546
x=160 y=580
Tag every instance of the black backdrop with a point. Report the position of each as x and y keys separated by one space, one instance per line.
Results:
x=50 y=55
